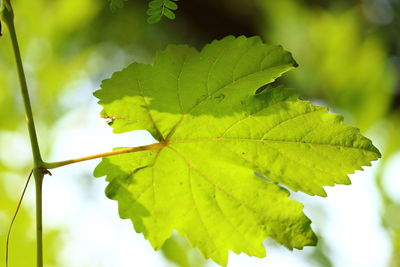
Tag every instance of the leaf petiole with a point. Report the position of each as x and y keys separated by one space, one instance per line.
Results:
x=53 y=165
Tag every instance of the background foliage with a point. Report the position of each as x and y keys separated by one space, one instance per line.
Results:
x=348 y=52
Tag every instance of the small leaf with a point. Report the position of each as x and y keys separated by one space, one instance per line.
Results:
x=116 y=4
x=171 y=5
x=156 y=3
x=216 y=133
x=162 y=8
x=154 y=18
x=154 y=11
x=169 y=14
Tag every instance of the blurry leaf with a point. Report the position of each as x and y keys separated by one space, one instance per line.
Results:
x=393 y=138
x=342 y=62
x=156 y=4
x=177 y=250
x=116 y=4
x=171 y=5
x=169 y=14
x=154 y=18
x=320 y=255
x=348 y=64
x=391 y=207
x=55 y=56
x=154 y=11
x=392 y=215
x=215 y=132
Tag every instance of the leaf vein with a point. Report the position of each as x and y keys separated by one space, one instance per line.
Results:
x=287 y=120
x=198 y=210
x=192 y=166
x=146 y=105
x=216 y=91
x=179 y=85
x=268 y=140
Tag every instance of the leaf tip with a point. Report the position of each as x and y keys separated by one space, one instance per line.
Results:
x=313 y=240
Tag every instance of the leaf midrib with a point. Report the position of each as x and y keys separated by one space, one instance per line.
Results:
x=223 y=139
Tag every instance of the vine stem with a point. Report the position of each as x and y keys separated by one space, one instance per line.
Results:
x=7 y=16
x=40 y=167
x=53 y=165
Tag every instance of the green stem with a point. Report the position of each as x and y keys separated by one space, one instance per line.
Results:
x=39 y=225
x=7 y=16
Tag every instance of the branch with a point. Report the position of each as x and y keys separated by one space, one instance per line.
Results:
x=7 y=16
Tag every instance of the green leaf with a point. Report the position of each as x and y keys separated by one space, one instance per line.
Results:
x=156 y=3
x=177 y=250
x=161 y=8
x=154 y=11
x=154 y=18
x=169 y=14
x=116 y=4
x=171 y=5
x=216 y=134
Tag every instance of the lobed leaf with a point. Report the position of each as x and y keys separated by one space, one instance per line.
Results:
x=217 y=132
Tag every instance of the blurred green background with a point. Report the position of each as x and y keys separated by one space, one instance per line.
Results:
x=349 y=59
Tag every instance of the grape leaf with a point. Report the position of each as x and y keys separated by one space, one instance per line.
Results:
x=216 y=133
